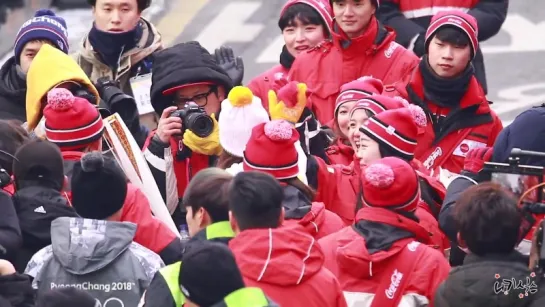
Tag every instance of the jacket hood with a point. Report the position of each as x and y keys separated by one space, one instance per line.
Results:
x=298 y=207
x=83 y=246
x=476 y=282
x=285 y=256
x=148 y=44
x=525 y=132
x=49 y=68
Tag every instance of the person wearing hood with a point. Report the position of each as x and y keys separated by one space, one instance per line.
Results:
x=39 y=198
x=206 y=203
x=445 y=86
x=304 y=24
x=526 y=132
x=285 y=262
x=211 y=278
x=383 y=259
x=361 y=46
x=341 y=151
x=44 y=28
x=76 y=127
x=96 y=252
x=492 y=261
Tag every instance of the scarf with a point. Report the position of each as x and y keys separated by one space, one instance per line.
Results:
x=111 y=45
x=286 y=59
x=445 y=92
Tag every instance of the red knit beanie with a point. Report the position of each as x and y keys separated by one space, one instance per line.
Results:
x=71 y=122
x=378 y=103
x=397 y=129
x=391 y=183
x=271 y=149
x=458 y=19
x=321 y=6
x=358 y=89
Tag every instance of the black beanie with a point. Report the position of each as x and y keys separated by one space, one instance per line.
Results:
x=39 y=161
x=208 y=273
x=99 y=186
x=66 y=297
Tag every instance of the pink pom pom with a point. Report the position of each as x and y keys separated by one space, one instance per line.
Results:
x=402 y=100
x=60 y=99
x=278 y=130
x=418 y=115
x=379 y=175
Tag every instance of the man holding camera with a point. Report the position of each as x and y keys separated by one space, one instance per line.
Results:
x=187 y=89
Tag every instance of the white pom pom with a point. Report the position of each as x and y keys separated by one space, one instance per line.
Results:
x=404 y=101
x=379 y=175
x=418 y=115
x=278 y=130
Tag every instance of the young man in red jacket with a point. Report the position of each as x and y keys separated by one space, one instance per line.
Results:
x=285 y=262
x=304 y=24
x=411 y=18
x=382 y=260
x=75 y=125
x=183 y=75
x=361 y=46
x=445 y=86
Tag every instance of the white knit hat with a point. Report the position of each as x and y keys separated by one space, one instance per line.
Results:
x=240 y=112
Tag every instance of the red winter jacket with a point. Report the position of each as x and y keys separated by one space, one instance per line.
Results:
x=261 y=84
x=151 y=232
x=474 y=125
x=358 y=256
x=287 y=264
x=329 y=65
x=340 y=153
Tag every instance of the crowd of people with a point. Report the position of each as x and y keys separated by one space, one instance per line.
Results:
x=353 y=173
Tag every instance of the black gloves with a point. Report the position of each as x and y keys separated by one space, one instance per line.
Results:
x=233 y=66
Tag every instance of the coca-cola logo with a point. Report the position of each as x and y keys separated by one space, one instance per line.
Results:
x=395 y=280
x=431 y=159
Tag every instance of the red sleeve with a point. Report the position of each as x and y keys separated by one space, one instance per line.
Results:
x=439 y=270
x=326 y=182
x=151 y=232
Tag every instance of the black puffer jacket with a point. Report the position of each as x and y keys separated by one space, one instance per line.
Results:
x=16 y=291
x=184 y=63
x=478 y=281
x=12 y=92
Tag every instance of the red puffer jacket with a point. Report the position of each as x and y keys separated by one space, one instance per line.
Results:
x=360 y=255
x=261 y=84
x=287 y=264
x=328 y=66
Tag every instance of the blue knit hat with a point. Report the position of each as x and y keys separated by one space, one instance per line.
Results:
x=44 y=25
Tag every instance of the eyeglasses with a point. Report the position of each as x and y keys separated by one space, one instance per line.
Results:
x=200 y=99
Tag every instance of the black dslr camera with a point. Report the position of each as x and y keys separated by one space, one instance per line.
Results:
x=195 y=119
x=519 y=179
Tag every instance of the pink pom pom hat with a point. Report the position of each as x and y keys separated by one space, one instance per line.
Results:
x=377 y=104
x=391 y=183
x=71 y=122
x=271 y=149
x=358 y=89
x=397 y=130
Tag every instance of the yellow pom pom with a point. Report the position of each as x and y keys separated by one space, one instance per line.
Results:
x=240 y=96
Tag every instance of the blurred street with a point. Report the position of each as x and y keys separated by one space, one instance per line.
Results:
x=513 y=58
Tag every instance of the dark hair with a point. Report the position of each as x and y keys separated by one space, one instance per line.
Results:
x=255 y=199
x=386 y=151
x=12 y=136
x=488 y=219
x=452 y=35
x=301 y=186
x=225 y=160
x=209 y=189
x=142 y=4
x=305 y=13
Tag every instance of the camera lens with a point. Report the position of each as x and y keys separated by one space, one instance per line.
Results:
x=201 y=124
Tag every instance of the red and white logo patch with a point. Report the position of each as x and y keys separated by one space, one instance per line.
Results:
x=467 y=145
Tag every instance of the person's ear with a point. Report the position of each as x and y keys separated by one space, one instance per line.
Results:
x=202 y=218
x=65 y=183
x=233 y=222
x=461 y=242
x=281 y=218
